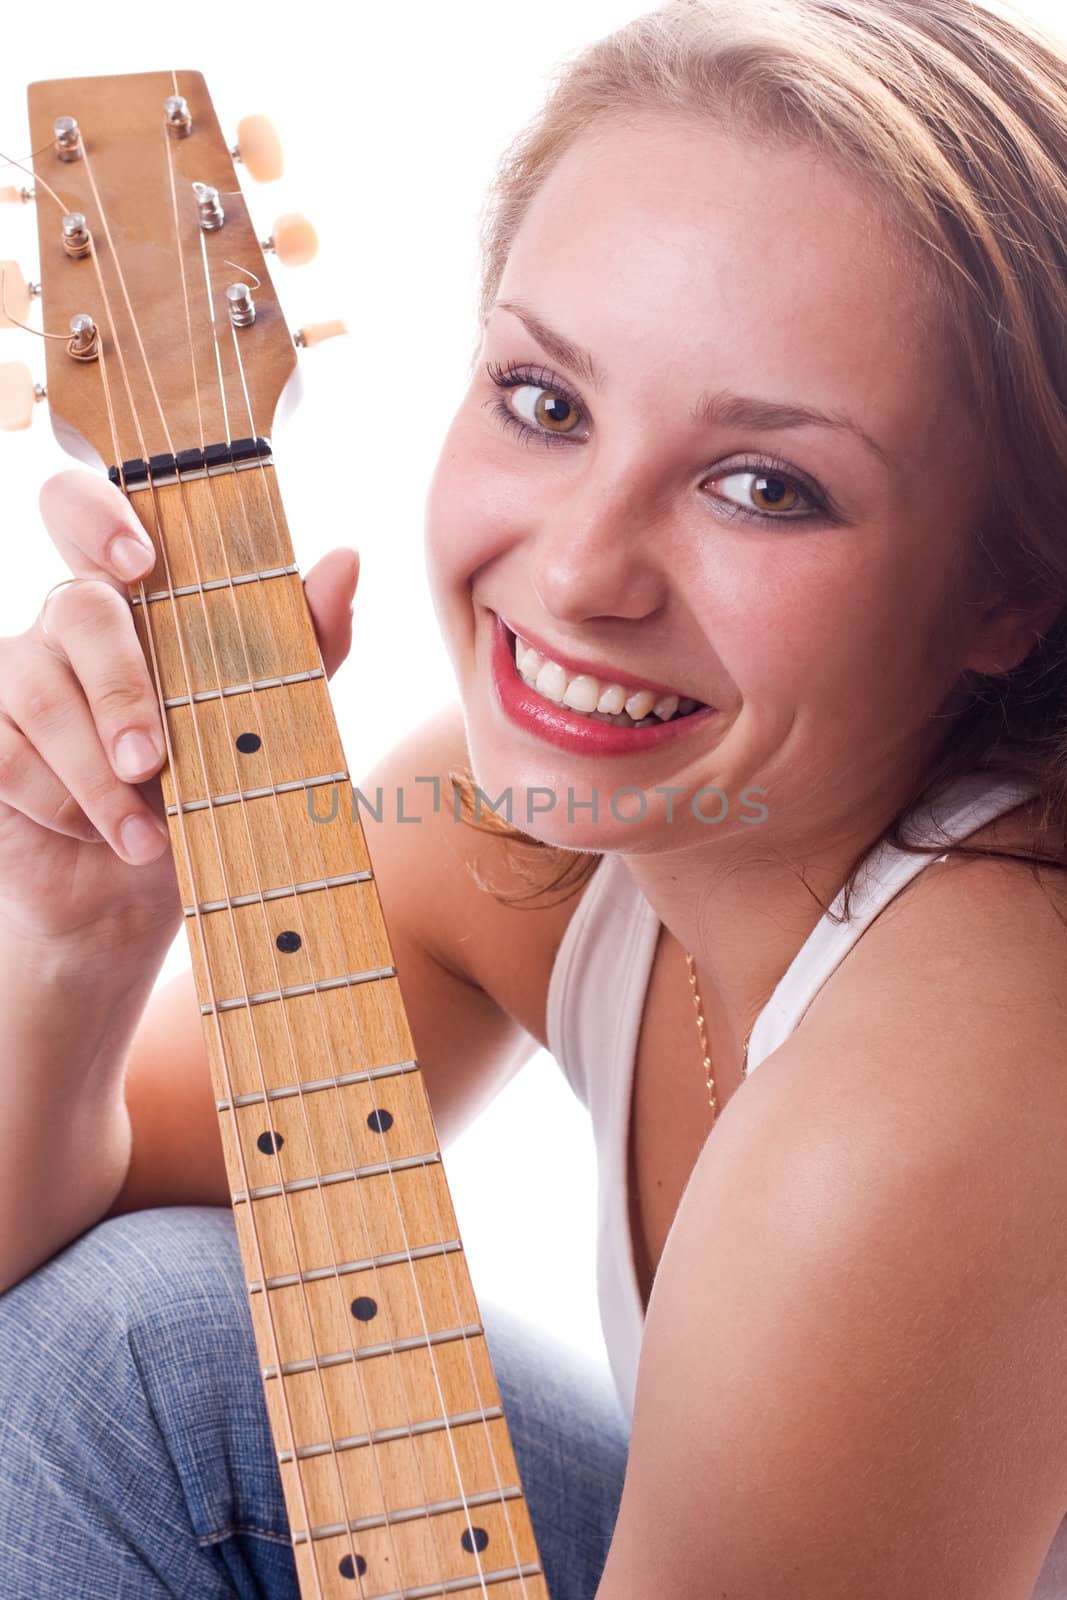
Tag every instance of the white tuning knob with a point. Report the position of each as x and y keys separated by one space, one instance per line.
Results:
x=11 y=196
x=293 y=240
x=15 y=295
x=18 y=392
x=259 y=147
x=316 y=332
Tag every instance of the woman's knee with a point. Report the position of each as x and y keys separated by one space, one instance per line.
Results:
x=142 y=1327
x=132 y=1272
x=133 y=1426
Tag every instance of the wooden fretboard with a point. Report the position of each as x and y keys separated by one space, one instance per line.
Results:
x=397 y=1466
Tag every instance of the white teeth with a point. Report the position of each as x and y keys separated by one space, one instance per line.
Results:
x=581 y=693
x=640 y=704
x=551 y=681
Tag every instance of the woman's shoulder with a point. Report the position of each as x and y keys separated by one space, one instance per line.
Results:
x=973 y=947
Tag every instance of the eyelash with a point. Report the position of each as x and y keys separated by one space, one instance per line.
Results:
x=540 y=378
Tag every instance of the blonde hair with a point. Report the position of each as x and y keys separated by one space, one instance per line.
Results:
x=955 y=115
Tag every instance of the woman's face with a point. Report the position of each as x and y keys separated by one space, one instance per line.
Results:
x=796 y=575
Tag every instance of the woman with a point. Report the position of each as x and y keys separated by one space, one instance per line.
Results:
x=781 y=287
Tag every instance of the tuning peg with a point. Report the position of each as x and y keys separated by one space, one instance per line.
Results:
x=15 y=295
x=293 y=240
x=316 y=332
x=259 y=147
x=18 y=392
x=15 y=197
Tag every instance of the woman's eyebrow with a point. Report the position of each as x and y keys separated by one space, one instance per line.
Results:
x=724 y=408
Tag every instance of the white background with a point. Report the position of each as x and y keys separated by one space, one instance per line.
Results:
x=393 y=119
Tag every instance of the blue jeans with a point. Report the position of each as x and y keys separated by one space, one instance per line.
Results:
x=136 y=1461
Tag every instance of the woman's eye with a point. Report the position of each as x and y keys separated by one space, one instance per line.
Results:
x=545 y=408
x=540 y=406
x=772 y=495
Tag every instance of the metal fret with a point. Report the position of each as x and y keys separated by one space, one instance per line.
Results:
x=297 y=988
x=373 y=1169
x=426 y=1591
x=257 y=794
x=391 y=1259
x=280 y=893
x=217 y=583
x=437 y=1508
x=291 y=1089
x=388 y=1347
x=382 y=1435
x=432 y=1591
x=243 y=688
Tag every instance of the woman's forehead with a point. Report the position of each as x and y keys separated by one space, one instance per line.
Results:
x=668 y=248
x=702 y=210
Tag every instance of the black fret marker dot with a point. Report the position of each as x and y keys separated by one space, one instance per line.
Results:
x=364 y=1308
x=269 y=1142
x=347 y=1570
x=380 y=1121
x=288 y=941
x=247 y=743
x=481 y=1539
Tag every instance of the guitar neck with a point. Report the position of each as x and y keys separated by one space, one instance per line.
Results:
x=395 y=1455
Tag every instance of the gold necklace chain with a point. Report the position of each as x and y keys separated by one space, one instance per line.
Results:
x=708 y=1076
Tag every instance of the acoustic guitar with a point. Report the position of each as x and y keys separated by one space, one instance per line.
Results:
x=167 y=356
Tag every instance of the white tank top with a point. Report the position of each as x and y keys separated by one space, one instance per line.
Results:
x=596 y=998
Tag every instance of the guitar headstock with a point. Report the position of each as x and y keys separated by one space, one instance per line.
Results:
x=182 y=344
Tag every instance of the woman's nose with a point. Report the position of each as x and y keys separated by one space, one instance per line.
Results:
x=596 y=553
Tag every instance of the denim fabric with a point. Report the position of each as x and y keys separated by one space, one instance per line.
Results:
x=136 y=1458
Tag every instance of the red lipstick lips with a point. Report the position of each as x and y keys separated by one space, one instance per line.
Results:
x=570 y=730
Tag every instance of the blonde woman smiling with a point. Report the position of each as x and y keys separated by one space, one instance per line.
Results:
x=759 y=487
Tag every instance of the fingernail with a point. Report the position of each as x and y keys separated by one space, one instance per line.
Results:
x=134 y=753
x=129 y=557
x=141 y=839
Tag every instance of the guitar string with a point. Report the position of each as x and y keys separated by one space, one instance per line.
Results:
x=425 y=1173
x=341 y=957
x=302 y=1289
x=118 y=456
x=241 y=485
x=149 y=628
x=267 y=485
x=9 y=161
x=195 y=726
x=427 y=1184
x=267 y=481
x=265 y=744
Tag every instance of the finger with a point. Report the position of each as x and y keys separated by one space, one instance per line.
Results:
x=47 y=704
x=94 y=528
x=28 y=785
x=62 y=732
x=330 y=589
x=91 y=625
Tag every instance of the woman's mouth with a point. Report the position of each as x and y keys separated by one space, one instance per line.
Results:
x=580 y=711
x=604 y=698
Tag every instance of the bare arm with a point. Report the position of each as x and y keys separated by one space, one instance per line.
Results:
x=64 y=1131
